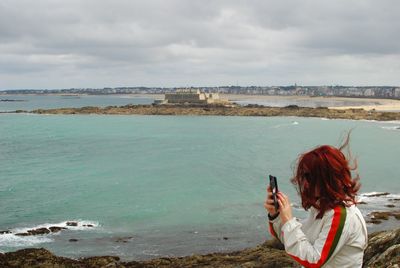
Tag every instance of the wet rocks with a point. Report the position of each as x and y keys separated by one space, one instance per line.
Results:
x=73 y=240
x=72 y=223
x=383 y=251
x=5 y=232
x=374 y=221
x=38 y=231
x=42 y=231
x=55 y=229
x=123 y=239
x=376 y=217
x=377 y=194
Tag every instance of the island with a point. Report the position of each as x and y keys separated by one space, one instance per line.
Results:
x=226 y=110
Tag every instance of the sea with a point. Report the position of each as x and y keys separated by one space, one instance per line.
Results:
x=142 y=187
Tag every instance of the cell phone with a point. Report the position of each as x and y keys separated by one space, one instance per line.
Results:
x=274 y=188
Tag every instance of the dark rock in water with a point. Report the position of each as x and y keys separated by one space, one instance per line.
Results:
x=383 y=251
x=384 y=215
x=380 y=215
x=225 y=238
x=55 y=229
x=11 y=100
x=374 y=221
x=88 y=225
x=5 y=232
x=72 y=223
x=73 y=240
x=394 y=199
x=362 y=203
x=390 y=205
x=38 y=231
x=123 y=239
x=377 y=194
x=22 y=234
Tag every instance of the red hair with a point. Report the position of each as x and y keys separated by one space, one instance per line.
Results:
x=323 y=179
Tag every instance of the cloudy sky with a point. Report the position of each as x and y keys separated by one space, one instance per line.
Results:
x=99 y=43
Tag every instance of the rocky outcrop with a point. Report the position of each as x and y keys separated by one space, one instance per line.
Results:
x=376 y=217
x=383 y=251
x=251 y=110
x=39 y=231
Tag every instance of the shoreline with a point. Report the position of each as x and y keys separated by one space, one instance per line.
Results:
x=364 y=103
x=221 y=110
x=383 y=248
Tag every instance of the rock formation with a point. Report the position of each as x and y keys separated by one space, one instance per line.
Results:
x=383 y=251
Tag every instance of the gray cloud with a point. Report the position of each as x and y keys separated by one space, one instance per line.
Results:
x=55 y=43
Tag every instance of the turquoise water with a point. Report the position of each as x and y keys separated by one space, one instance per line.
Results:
x=32 y=102
x=167 y=185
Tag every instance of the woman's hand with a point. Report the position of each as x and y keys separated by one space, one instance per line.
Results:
x=284 y=207
x=269 y=203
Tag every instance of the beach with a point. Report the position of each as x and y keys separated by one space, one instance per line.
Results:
x=336 y=102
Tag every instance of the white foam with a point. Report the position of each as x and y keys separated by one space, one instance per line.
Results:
x=80 y=226
x=12 y=240
x=377 y=197
x=286 y=125
x=374 y=194
x=392 y=128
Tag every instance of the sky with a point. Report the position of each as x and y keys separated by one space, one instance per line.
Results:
x=180 y=43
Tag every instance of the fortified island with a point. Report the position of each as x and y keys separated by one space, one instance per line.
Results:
x=191 y=96
x=190 y=102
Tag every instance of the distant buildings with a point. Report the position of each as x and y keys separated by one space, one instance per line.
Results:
x=210 y=94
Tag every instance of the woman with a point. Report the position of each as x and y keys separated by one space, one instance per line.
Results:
x=334 y=234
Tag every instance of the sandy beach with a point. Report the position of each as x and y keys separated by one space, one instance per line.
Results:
x=383 y=105
x=362 y=103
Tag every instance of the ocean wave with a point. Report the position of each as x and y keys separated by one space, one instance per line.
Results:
x=293 y=123
x=392 y=128
x=10 y=239
x=378 y=197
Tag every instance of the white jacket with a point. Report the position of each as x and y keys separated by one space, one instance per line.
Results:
x=336 y=240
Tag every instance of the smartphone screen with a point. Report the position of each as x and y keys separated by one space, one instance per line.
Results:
x=274 y=188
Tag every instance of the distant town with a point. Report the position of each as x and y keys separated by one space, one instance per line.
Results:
x=387 y=92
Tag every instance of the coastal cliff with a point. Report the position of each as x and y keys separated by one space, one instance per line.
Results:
x=220 y=110
x=383 y=251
